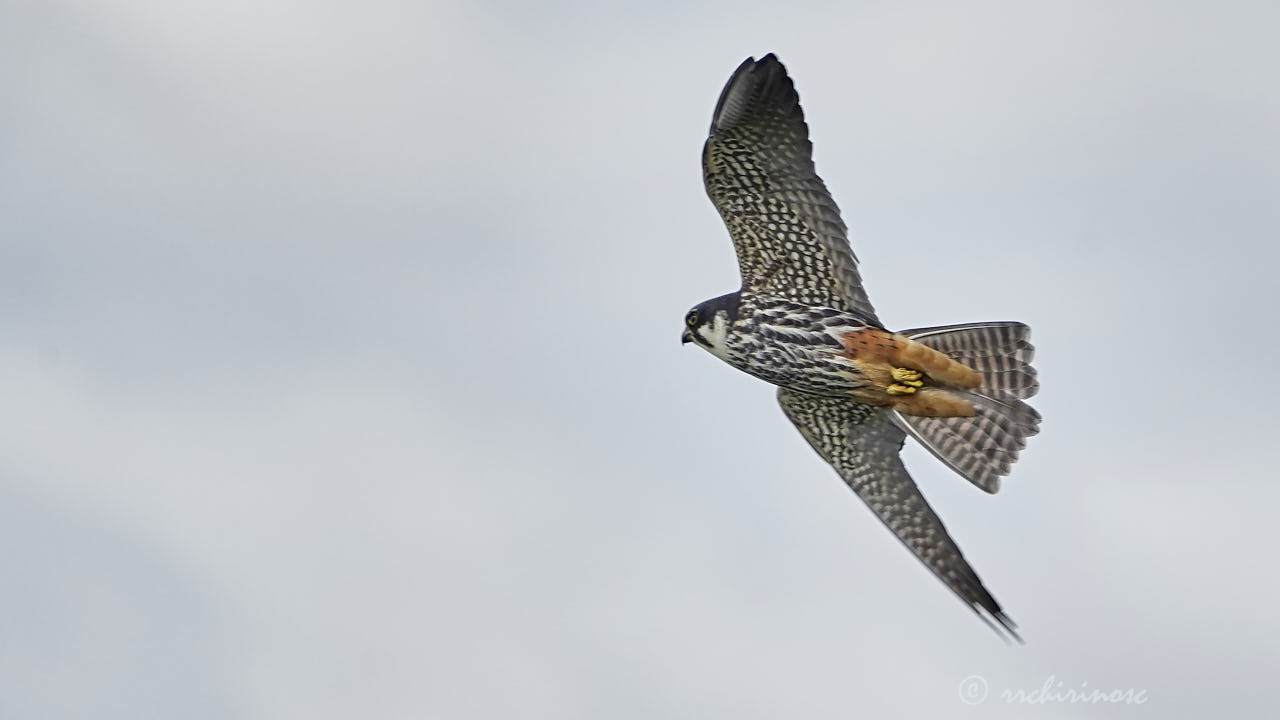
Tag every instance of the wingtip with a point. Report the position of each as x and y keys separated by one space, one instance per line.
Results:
x=739 y=93
x=767 y=58
x=1007 y=629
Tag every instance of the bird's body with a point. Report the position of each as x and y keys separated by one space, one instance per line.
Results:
x=826 y=351
x=803 y=322
x=788 y=344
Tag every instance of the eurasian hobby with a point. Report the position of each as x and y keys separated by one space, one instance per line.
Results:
x=802 y=322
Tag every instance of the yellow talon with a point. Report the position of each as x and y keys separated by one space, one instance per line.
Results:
x=907 y=376
x=896 y=389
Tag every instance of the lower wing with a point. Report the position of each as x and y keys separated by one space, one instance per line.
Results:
x=862 y=444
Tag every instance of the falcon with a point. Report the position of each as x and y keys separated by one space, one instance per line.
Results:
x=802 y=321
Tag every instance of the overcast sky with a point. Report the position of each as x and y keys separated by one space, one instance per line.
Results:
x=339 y=372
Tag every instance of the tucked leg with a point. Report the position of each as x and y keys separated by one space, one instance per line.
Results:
x=906 y=381
x=907 y=376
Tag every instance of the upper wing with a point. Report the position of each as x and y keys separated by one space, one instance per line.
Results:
x=862 y=445
x=758 y=169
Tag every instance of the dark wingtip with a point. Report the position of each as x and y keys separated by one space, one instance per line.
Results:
x=1007 y=628
x=1010 y=627
x=984 y=605
x=735 y=97
x=746 y=67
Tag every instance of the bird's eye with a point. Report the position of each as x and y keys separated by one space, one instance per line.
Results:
x=691 y=319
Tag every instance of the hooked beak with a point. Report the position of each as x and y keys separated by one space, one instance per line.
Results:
x=686 y=337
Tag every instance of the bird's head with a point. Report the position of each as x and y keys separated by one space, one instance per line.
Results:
x=707 y=323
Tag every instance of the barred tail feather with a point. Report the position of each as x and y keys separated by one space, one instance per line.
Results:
x=982 y=448
x=1000 y=351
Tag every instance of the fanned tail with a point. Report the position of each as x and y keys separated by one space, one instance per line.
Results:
x=982 y=448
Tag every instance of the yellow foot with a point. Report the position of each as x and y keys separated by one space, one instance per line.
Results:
x=896 y=389
x=908 y=377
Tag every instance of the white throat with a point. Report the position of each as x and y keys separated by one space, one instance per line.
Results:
x=713 y=334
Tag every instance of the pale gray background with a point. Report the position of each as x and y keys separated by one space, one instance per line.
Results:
x=339 y=369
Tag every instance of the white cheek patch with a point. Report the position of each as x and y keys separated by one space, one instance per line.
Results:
x=713 y=336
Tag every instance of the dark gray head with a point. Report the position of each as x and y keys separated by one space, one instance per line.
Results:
x=708 y=322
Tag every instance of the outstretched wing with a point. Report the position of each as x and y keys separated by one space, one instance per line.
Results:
x=758 y=169
x=862 y=445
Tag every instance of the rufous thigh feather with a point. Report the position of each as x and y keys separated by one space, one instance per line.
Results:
x=872 y=345
x=941 y=368
x=933 y=402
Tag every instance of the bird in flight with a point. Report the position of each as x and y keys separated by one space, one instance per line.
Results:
x=802 y=321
